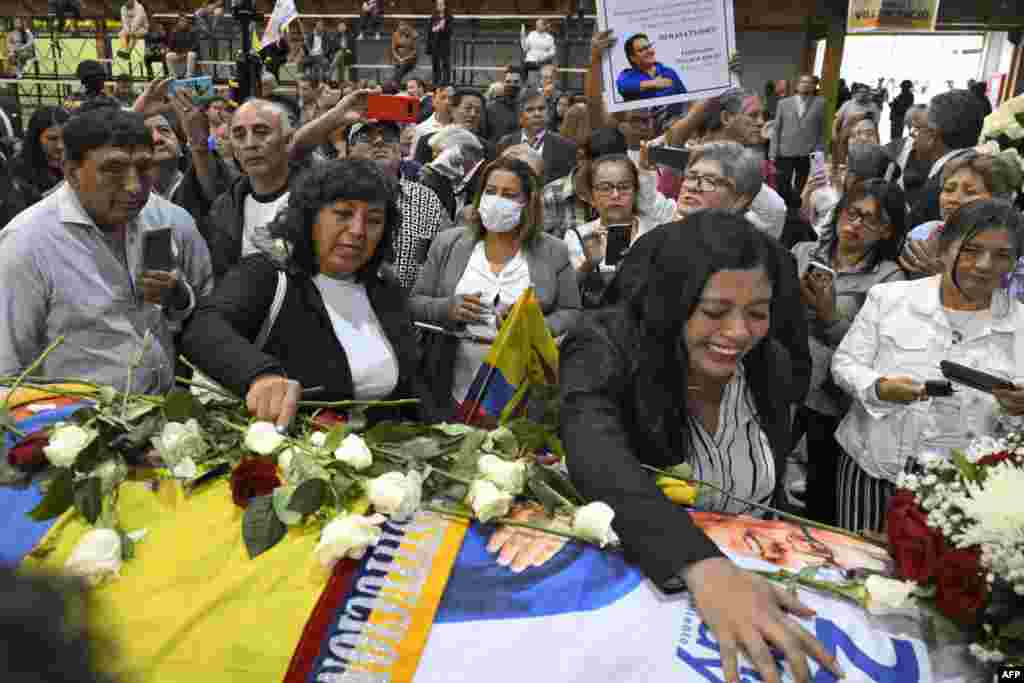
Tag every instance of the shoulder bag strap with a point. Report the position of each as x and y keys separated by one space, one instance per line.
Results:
x=275 y=310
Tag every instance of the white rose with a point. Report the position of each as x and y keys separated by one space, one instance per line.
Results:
x=178 y=441
x=66 y=442
x=488 y=501
x=346 y=536
x=318 y=439
x=396 y=494
x=284 y=459
x=262 y=438
x=1014 y=106
x=1015 y=131
x=97 y=555
x=354 y=452
x=593 y=522
x=886 y=593
x=990 y=148
x=185 y=469
x=508 y=476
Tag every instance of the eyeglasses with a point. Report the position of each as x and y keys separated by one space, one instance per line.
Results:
x=367 y=137
x=705 y=183
x=855 y=215
x=608 y=188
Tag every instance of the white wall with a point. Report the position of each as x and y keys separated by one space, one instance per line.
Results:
x=769 y=56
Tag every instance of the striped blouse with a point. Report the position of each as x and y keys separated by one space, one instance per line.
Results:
x=738 y=457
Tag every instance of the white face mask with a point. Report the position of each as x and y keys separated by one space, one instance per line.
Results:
x=499 y=214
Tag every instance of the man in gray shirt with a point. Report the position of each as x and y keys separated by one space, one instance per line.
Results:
x=74 y=265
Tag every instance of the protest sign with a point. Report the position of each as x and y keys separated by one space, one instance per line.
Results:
x=667 y=51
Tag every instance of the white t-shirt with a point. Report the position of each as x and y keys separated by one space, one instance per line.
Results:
x=370 y=356
x=257 y=215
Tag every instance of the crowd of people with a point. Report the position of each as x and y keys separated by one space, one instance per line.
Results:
x=712 y=311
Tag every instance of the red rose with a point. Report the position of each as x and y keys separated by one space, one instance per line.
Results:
x=328 y=419
x=916 y=547
x=253 y=477
x=29 y=452
x=993 y=458
x=961 y=587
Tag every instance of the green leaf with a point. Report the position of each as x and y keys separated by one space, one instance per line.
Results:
x=389 y=431
x=340 y=484
x=336 y=436
x=282 y=498
x=1014 y=630
x=139 y=436
x=968 y=469
x=357 y=419
x=546 y=496
x=58 y=498
x=89 y=498
x=127 y=546
x=465 y=460
x=420 y=448
x=683 y=470
x=7 y=421
x=453 y=429
x=503 y=442
x=261 y=529
x=308 y=497
x=560 y=483
x=180 y=405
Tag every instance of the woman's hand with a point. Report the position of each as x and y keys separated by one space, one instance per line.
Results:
x=1012 y=400
x=274 y=398
x=645 y=157
x=594 y=246
x=899 y=389
x=818 y=293
x=153 y=99
x=747 y=614
x=522 y=548
x=466 y=308
x=921 y=256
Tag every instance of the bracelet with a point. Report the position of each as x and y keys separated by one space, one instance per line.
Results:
x=878 y=385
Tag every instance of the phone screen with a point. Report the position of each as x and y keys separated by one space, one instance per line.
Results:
x=158 y=250
x=672 y=157
x=618 y=240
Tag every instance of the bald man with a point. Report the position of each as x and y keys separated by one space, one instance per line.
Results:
x=260 y=133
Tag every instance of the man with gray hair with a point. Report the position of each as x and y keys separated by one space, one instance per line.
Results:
x=954 y=123
x=559 y=153
x=260 y=133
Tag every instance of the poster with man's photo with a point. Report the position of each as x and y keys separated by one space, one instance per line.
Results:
x=666 y=51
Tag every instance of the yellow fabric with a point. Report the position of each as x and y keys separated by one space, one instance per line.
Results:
x=24 y=395
x=191 y=606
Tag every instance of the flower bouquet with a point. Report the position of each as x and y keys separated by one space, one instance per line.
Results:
x=332 y=469
x=956 y=529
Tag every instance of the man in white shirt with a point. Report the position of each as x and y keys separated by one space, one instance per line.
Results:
x=260 y=133
x=441 y=117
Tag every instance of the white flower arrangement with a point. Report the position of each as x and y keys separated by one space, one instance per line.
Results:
x=180 y=445
x=508 y=476
x=347 y=536
x=593 y=522
x=354 y=452
x=488 y=501
x=396 y=494
x=263 y=438
x=66 y=442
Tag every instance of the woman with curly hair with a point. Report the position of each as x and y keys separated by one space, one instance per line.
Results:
x=314 y=308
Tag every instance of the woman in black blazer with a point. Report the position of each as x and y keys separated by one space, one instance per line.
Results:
x=343 y=323
x=685 y=371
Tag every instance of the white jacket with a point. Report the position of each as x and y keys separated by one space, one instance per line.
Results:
x=903 y=330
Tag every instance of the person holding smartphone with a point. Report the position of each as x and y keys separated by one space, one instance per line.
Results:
x=896 y=343
x=595 y=248
x=855 y=253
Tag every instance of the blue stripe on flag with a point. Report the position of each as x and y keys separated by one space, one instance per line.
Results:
x=577 y=579
x=499 y=390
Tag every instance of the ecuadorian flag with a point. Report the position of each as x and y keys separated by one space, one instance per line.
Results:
x=523 y=355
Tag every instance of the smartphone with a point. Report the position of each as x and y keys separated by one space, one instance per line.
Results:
x=672 y=157
x=938 y=388
x=818 y=164
x=975 y=379
x=618 y=242
x=202 y=86
x=158 y=250
x=820 y=269
x=398 y=108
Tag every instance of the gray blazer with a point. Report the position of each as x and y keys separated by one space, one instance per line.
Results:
x=797 y=136
x=552 y=276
